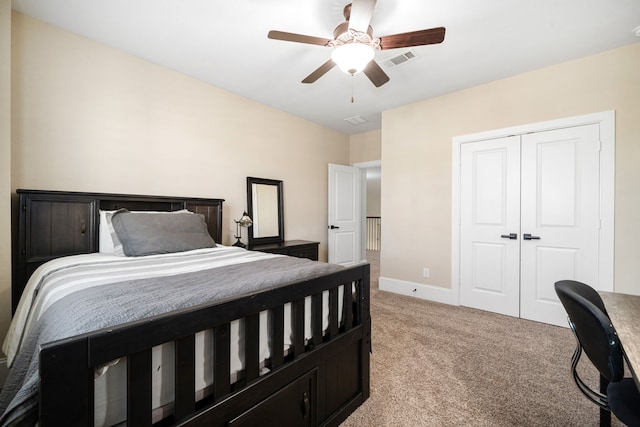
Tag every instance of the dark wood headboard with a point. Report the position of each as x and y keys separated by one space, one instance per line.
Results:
x=52 y=224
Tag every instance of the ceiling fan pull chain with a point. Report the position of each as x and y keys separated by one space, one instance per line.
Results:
x=352 y=98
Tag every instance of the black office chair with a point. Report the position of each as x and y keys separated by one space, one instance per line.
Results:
x=597 y=337
x=586 y=291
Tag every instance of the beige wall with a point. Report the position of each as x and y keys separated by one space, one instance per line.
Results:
x=87 y=117
x=5 y=170
x=416 y=153
x=365 y=147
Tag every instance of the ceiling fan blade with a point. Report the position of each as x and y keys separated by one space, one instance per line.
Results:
x=413 y=38
x=298 y=38
x=375 y=74
x=319 y=72
x=361 y=13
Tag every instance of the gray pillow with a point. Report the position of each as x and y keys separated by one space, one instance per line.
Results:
x=150 y=234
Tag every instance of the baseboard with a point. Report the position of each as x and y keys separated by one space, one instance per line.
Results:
x=418 y=290
x=4 y=370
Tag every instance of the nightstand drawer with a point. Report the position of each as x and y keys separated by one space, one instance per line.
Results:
x=295 y=248
x=306 y=251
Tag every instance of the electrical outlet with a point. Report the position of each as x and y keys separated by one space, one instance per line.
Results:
x=425 y=272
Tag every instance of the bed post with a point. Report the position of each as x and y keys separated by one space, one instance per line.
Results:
x=67 y=382
x=365 y=320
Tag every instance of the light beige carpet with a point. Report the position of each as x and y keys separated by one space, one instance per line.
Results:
x=440 y=365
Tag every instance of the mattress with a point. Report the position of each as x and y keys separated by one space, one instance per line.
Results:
x=99 y=280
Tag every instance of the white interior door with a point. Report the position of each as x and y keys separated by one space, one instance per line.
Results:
x=530 y=216
x=561 y=212
x=490 y=225
x=345 y=217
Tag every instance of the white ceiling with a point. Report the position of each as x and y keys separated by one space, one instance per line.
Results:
x=225 y=43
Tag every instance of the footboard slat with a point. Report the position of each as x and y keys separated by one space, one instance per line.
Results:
x=297 y=314
x=276 y=332
x=347 y=308
x=185 y=376
x=333 y=312
x=221 y=361
x=139 y=388
x=316 y=318
x=252 y=346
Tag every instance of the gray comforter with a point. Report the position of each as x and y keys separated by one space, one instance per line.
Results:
x=98 y=307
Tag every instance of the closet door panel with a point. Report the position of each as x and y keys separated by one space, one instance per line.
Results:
x=489 y=262
x=560 y=211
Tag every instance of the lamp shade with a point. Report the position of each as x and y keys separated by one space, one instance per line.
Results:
x=352 y=57
x=245 y=220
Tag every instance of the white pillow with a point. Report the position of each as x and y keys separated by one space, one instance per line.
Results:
x=105 y=243
x=109 y=243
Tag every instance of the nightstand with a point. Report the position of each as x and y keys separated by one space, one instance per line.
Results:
x=296 y=248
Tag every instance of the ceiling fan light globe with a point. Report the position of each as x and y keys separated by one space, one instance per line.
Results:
x=352 y=57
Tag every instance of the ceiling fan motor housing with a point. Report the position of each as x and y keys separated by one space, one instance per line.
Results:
x=342 y=30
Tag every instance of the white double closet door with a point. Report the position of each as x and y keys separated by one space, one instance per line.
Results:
x=530 y=216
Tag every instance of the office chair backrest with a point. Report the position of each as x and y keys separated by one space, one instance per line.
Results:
x=593 y=328
x=584 y=291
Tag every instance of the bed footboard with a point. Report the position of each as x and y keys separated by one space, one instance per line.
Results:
x=316 y=381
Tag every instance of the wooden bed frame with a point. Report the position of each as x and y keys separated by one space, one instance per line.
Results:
x=319 y=382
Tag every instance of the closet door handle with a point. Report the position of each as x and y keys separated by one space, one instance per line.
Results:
x=333 y=227
x=512 y=236
x=530 y=237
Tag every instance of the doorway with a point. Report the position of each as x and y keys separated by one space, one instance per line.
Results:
x=372 y=209
x=348 y=207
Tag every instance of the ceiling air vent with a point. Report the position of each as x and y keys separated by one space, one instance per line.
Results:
x=400 y=59
x=356 y=120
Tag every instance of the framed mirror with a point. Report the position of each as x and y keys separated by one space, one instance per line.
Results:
x=264 y=202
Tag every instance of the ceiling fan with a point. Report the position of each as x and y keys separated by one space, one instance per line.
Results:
x=354 y=44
